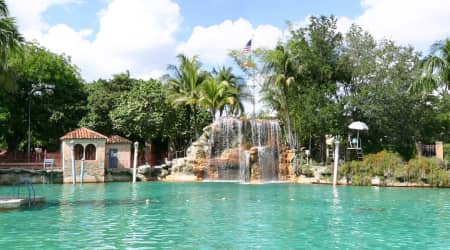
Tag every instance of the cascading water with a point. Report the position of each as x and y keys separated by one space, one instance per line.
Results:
x=244 y=150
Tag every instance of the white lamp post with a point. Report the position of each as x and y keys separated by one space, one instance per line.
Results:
x=82 y=165
x=136 y=146
x=72 y=149
x=43 y=86
x=336 y=161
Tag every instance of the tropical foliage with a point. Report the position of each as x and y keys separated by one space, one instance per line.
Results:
x=49 y=97
x=389 y=167
x=10 y=43
x=436 y=70
x=320 y=80
x=281 y=71
x=317 y=81
x=236 y=93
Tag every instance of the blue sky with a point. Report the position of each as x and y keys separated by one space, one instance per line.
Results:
x=261 y=12
x=205 y=13
x=104 y=37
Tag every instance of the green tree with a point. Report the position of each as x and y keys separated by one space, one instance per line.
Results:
x=238 y=90
x=377 y=93
x=436 y=70
x=280 y=70
x=105 y=96
x=143 y=113
x=140 y=112
x=49 y=94
x=184 y=85
x=10 y=42
x=215 y=95
x=315 y=103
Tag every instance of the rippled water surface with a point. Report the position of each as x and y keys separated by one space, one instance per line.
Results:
x=228 y=216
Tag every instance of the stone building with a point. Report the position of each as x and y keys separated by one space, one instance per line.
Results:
x=93 y=152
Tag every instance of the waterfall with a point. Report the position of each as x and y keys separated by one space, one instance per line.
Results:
x=244 y=150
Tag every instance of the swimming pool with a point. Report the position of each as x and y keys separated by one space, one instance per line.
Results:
x=229 y=216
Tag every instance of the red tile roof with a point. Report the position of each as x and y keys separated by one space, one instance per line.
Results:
x=83 y=133
x=116 y=139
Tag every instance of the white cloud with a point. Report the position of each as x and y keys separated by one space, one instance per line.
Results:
x=409 y=22
x=415 y=22
x=213 y=43
x=29 y=15
x=344 y=24
x=139 y=35
x=135 y=35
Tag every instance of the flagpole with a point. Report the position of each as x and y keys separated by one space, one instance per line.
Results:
x=254 y=78
x=251 y=74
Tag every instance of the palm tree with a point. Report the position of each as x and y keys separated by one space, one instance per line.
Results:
x=216 y=95
x=435 y=70
x=10 y=42
x=237 y=90
x=184 y=84
x=281 y=70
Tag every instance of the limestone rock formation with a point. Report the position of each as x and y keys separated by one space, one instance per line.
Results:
x=196 y=155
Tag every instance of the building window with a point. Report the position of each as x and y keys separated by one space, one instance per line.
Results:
x=78 y=152
x=90 y=152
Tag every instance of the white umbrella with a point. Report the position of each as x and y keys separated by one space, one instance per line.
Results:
x=358 y=126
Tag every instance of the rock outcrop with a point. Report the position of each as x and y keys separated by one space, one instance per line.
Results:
x=196 y=156
x=233 y=149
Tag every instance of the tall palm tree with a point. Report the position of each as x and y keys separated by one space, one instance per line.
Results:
x=216 y=95
x=281 y=70
x=435 y=70
x=10 y=42
x=184 y=84
x=237 y=90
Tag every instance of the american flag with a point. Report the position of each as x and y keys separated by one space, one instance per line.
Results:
x=248 y=46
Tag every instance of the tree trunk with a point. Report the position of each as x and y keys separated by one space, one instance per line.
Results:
x=195 y=122
x=213 y=114
x=288 y=119
x=419 y=149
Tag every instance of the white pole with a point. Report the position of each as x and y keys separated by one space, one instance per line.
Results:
x=336 y=161
x=82 y=165
x=72 y=148
x=29 y=129
x=136 y=146
x=357 y=142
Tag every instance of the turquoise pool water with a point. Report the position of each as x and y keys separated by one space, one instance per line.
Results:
x=229 y=216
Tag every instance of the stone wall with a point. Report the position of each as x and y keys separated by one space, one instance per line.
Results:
x=14 y=175
x=118 y=175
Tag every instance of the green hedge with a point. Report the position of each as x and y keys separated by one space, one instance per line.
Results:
x=389 y=165
x=447 y=152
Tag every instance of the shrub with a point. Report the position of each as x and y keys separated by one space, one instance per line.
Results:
x=307 y=171
x=383 y=163
x=447 y=153
x=351 y=168
x=361 y=180
x=443 y=179
x=387 y=164
x=427 y=170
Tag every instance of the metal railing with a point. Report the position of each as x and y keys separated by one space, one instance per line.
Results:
x=428 y=150
x=13 y=160
x=24 y=189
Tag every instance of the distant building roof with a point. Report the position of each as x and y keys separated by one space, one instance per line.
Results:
x=116 y=139
x=83 y=133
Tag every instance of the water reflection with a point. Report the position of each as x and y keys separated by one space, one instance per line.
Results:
x=335 y=196
x=230 y=216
